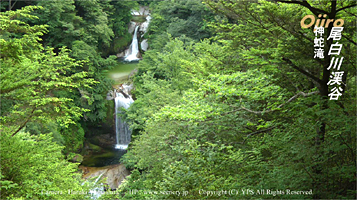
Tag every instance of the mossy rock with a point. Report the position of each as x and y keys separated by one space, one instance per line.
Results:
x=121 y=43
x=110 y=119
x=139 y=18
x=98 y=159
x=77 y=158
x=94 y=147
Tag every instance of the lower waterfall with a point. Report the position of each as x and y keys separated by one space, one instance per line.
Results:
x=122 y=131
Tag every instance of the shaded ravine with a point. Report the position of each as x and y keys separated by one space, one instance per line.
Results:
x=103 y=162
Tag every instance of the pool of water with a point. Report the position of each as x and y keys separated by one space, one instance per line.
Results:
x=108 y=157
x=121 y=71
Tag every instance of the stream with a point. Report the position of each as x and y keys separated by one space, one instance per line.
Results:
x=107 y=144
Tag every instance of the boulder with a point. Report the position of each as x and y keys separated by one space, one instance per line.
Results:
x=144 y=45
x=106 y=140
x=76 y=158
x=121 y=54
x=131 y=27
x=115 y=174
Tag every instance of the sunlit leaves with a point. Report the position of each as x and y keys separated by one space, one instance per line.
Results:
x=33 y=166
x=30 y=78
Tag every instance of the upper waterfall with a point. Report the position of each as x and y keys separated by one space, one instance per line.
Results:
x=134 y=48
x=138 y=27
x=144 y=26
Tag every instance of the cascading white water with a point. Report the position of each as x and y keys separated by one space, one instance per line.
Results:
x=122 y=131
x=97 y=190
x=134 y=48
x=145 y=26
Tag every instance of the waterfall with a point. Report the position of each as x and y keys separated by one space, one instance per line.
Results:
x=134 y=48
x=122 y=131
x=144 y=26
x=131 y=53
x=97 y=190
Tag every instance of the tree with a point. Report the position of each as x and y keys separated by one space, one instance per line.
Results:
x=32 y=166
x=253 y=113
x=263 y=27
x=95 y=30
x=29 y=95
x=63 y=23
x=179 y=18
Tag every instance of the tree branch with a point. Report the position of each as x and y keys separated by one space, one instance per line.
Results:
x=11 y=6
x=302 y=71
x=353 y=42
x=297 y=95
x=260 y=131
x=350 y=13
x=309 y=173
x=349 y=6
x=257 y=132
x=304 y=3
x=24 y=124
x=281 y=105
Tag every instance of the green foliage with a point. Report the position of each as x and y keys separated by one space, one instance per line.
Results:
x=163 y=76
x=33 y=167
x=63 y=23
x=121 y=16
x=120 y=43
x=179 y=18
x=94 y=98
x=245 y=109
x=38 y=74
x=44 y=92
x=94 y=29
x=233 y=114
x=87 y=29
x=155 y=93
x=39 y=128
x=73 y=138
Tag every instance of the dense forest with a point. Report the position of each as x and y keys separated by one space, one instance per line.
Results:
x=232 y=99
